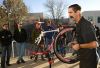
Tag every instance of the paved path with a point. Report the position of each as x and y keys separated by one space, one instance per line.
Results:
x=41 y=64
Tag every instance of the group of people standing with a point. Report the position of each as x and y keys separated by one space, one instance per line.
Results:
x=20 y=36
x=6 y=37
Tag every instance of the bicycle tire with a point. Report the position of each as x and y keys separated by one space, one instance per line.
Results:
x=66 y=58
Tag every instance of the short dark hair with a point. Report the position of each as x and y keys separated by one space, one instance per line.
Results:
x=75 y=7
x=49 y=21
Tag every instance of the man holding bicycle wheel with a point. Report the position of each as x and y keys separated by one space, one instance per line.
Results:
x=86 y=39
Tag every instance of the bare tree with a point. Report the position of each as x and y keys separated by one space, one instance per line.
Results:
x=55 y=8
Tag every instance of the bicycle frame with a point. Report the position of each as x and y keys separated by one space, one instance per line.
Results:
x=38 y=39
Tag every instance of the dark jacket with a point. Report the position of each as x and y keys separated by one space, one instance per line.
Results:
x=5 y=37
x=50 y=34
x=85 y=33
x=35 y=34
x=20 y=36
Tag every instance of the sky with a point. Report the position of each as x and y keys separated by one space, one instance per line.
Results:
x=1 y=1
x=87 y=5
x=35 y=5
x=38 y=5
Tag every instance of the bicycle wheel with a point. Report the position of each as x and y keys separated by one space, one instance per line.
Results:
x=62 y=49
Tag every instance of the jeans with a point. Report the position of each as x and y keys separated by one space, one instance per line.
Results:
x=5 y=56
x=48 y=42
x=20 y=50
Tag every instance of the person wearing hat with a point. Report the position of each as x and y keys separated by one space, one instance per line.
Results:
x=5 y=39
x=35 y=33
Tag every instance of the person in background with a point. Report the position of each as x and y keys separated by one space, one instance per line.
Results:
x=35 y=33
x=86 y=39
x=5 y=39
x=28 y=26
x=48 y=36
x=20 y=36
x=97 y=30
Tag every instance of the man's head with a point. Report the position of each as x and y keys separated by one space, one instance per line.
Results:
x=37 y=24
x=48 y=23
x=5 y=26
x=19 y=25
x=74 y=11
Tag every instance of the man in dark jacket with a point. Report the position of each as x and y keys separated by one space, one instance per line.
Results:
x=49 y=36
x=20 y=36
x=86 y=40
x=5 y=39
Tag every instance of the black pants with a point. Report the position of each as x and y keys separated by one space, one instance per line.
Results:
x=88 y=63
x=5 y=56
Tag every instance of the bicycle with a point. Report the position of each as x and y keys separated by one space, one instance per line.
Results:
x=48 y=52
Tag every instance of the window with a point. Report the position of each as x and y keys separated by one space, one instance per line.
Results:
x=98 y=19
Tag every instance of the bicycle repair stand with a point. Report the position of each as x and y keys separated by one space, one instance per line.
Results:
x=47 y=53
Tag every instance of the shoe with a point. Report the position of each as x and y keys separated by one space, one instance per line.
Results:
x=8 y=64
x=18 y=62
x=43 y=59
x=22 y=61
x=36 y=57
x=31 y=57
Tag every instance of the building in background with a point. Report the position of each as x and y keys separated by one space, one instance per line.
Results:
x=35 y=15
x=93 y=16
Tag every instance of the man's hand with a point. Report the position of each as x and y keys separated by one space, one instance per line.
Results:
x=76 y=46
